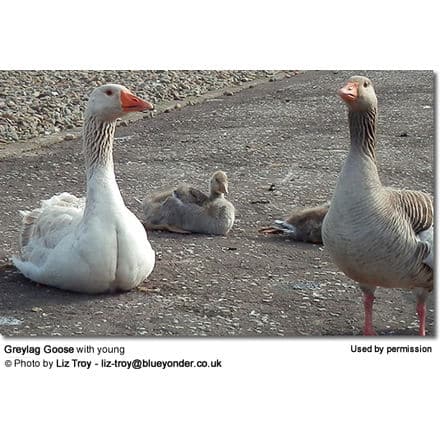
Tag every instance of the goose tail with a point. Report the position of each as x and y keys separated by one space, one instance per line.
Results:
x=28 y=269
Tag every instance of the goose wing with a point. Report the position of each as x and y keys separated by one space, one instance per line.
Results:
x=188 y=194
x=44 y=227
x=418 y=208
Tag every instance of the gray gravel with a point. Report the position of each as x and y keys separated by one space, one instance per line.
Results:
x=39 y=103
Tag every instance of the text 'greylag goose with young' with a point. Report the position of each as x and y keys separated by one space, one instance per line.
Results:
x=377 y=236
x=303 y=224
x=186 y=209
x=94 y=244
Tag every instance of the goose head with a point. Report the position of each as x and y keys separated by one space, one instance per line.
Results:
x=358 y=93
x=219 y=183
x=112 y=101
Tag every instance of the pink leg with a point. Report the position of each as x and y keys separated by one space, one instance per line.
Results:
x=368 y=309
x=421 y=312
x=422 y=294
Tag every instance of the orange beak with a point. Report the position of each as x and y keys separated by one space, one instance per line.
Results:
x=349 y=93
x=131 y=103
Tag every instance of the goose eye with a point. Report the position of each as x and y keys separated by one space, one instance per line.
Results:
x=365 y=84
x=109 y=93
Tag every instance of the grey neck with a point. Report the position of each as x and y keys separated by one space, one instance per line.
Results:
x=363 y=132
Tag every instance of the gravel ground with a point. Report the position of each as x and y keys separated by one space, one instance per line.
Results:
x=38 y=103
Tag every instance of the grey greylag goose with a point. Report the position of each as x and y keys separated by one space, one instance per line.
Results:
x=93 y=244
x=303 y=224
x=377 y=236
x=186 y=209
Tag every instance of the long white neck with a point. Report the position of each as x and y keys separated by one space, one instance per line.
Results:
x=102 y=189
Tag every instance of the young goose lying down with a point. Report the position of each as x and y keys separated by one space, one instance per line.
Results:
x=303 y=224
x=94 y=244
x=186 y=209
x=377 y=236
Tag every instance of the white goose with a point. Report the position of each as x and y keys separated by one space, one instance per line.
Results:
x=377 y=236
x=94 y=244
